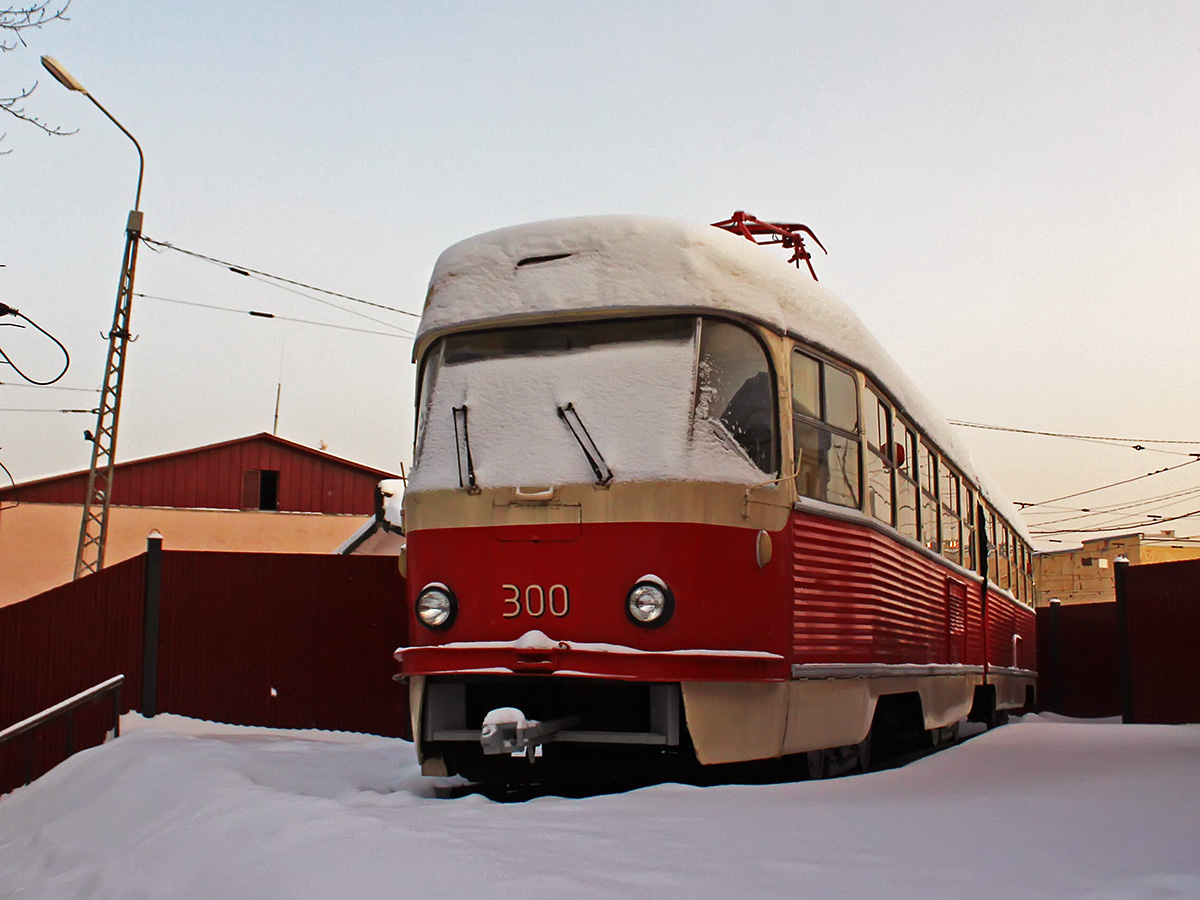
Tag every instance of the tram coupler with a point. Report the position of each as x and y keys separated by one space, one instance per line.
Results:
x=507 y=731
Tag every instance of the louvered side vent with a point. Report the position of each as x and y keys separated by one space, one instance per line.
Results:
x=861 y=597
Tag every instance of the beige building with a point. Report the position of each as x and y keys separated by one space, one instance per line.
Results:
x=1085 y=574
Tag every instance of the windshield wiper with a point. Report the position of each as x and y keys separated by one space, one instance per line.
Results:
x=462 y=447
x=599 y=467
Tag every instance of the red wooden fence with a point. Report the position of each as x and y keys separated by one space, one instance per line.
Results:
x=286 y=641
x=1077 y=660
x=1080 y=648
x=1163 y=621
x=279 y=640
x=59 y=643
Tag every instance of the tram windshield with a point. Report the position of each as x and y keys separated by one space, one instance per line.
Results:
x=673 y=398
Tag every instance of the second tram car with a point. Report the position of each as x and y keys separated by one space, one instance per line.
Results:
x=669 y=497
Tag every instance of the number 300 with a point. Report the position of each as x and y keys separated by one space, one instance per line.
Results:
x=537 y=600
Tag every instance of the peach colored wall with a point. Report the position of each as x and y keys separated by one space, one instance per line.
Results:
x=1063 y=575
x=38 y=540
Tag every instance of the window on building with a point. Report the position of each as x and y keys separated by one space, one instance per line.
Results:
x=825 y=431
x=260 y=489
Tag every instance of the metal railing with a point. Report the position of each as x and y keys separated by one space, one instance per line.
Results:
x=66 y=708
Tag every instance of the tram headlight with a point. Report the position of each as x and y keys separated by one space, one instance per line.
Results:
x=436 y=606
x=649 y=602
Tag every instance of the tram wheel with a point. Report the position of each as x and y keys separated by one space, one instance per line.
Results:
x=817 y=764
x=864 y=754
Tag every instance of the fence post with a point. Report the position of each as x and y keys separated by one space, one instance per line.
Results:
x=150 y=616
x=116 y=729
x=1054 y=700
x=1124 y=673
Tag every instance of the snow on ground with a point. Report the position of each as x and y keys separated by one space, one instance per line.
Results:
x=1041 y=808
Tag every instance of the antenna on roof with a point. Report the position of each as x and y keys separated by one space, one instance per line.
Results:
x=787 y=234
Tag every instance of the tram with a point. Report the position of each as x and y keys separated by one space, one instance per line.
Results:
x=670 y=499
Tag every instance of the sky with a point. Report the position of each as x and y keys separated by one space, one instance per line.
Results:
x=191 y=810
x=1008 y=194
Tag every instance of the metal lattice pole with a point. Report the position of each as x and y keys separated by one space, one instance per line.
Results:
x=93 y=530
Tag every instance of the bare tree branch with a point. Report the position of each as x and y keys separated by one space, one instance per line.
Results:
x=14 y=21
x=10 y=106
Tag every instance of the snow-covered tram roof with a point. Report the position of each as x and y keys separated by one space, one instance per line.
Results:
x=624 y=264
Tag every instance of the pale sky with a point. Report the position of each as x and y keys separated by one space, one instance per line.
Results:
x=1009 y=194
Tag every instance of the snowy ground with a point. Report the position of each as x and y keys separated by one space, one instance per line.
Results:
x=178 y=809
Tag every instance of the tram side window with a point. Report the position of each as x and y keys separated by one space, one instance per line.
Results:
x=930 y=518
x=825 y=431
x=879 y=458
x=970 y=524
x=1021 y=586
x=734 y=388
x=993 y=554
x=1019 y=569
x=1003 y=573
x=948 y=492
x=1031 y=592
x=906 y=479
x=951 y=520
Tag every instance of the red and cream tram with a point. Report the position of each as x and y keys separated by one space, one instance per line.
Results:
x=668 y=496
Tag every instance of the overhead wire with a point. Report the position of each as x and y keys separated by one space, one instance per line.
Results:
x=1105 y=513
x=1190 y=462
x=1125 y=526
x=328 y=303
x=43 y=410
x=246 y=270
x=1078 y=514
x=258 y=314
x=1078 y=437
x=51 y=387
x=16 y=501
x=6 y=310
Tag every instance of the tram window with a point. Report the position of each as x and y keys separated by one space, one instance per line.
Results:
x=951 y=546
x=950 y=496
x=554 y=340
x=841 y=399
x=1014 y=565
x=990 y=548
x=806 y=386
x=906 y=482
x=429 y=370
x=930 y=518
x=1002 y=573
x=1018 y=562
x=948 y=490
x=827 y=451
x=734 y=378
x=879 y=464
x=883 y=429
x=970 y=524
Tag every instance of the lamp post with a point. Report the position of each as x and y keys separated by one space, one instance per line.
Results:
x=93 y=529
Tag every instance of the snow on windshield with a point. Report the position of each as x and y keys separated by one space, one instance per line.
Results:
x=632 y=384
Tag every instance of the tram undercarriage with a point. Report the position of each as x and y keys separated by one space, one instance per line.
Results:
x=524 y=729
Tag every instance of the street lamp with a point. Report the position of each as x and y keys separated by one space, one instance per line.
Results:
x=93 y=529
